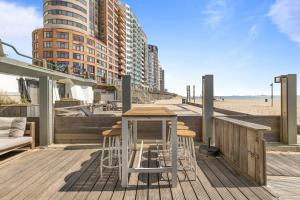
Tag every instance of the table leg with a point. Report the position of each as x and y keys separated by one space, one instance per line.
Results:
x=125 y=133
x=164 y=133
x=134 y=133
x=174 y=152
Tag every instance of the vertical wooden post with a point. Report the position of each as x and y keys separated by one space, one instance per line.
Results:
x=2 y=54
x=126 y=93
x=46 y=111
x=194 y=97
x=207 y=110
x=289 y=109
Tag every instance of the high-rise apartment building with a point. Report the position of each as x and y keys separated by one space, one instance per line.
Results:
x=84 y=36
x=153 y=68
x=136 y=45
x=162 y=80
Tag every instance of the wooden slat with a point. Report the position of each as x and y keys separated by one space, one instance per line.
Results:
x=149 y=112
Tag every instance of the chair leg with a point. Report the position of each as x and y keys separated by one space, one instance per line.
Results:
x=118 y=145
x=109 y=151
x=102 y=156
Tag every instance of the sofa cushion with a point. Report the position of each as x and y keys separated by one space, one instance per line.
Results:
x=12 y=126
x=5 y=125
x=18 y=127
x=10 y=142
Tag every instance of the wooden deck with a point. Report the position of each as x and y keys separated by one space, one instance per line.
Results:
x=283 y=171
x=74 y=174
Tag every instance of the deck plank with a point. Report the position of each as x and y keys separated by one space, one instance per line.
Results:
x=262 y=192
x=58 y=182
x=153 y=179
x=37 y=187
x=12 y=188
x=216 y=183
x=237 y=183
x=196 y=184
x=176 y=192
x=130 y=192
x=72 y=179
x=142 y=185
x=74 y=174
x=236 y=193
x=164 y=184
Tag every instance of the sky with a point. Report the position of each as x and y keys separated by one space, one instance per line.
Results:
x=243 y=43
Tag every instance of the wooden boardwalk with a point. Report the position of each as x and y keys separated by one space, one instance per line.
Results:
x=283 y=171
x=74 y=174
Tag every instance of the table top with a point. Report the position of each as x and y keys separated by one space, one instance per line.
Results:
x=149 y=112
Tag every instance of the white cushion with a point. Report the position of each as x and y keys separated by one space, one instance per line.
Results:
x=5 y=125
x=13 y=125
x=9 y=142
x=4 y=133
x=18 y=127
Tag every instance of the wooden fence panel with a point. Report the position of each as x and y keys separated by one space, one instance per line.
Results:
x=243 y=146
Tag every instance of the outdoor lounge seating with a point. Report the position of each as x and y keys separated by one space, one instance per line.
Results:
x=15 y=133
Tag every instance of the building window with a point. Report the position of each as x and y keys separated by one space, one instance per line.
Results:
x=90 y=42
x=110 y=59
x=78 y=38
x=90 y=59
x=62 y=35
x=91 y=69
x=66 y=22
x=47 y=54
x=62 y=54
x=78 y=47
x=66 y=4
x=35 y=55
x=35 y=46
x=101 y=55
x=62 y=45
x=101 y=63
x=90 y=51
x=78 y=68
x=47 y=44
x=62 y=63
x=78 y=56
x=66 y=13
x=48 y=34
x=35 y=36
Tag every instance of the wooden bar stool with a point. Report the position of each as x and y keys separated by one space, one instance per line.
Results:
x=178 y=123
x=130 y=139
x=113 y=138
x=186 y=140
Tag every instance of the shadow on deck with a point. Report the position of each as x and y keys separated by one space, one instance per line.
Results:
x=74 y=174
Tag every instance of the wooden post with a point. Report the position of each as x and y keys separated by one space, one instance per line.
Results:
x=126 y=93
x=207 y=110
x=46 y=111
x=272 y=96
x=2 y=54
x=194 y=97
x=288 y=133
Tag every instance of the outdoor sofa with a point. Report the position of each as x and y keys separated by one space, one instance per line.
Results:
x=16 y=132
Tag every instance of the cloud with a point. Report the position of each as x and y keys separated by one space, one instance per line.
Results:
x=17 y=23
x=286 y=15
x=253 y=32
x=216 y=11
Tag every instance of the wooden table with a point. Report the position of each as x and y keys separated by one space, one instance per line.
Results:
x=148 y=114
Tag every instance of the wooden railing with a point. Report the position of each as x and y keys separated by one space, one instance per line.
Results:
x=243 y=146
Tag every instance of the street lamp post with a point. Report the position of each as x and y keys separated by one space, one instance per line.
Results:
x=272 y=97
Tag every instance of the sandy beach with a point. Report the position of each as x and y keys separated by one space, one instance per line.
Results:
x=253 y=107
